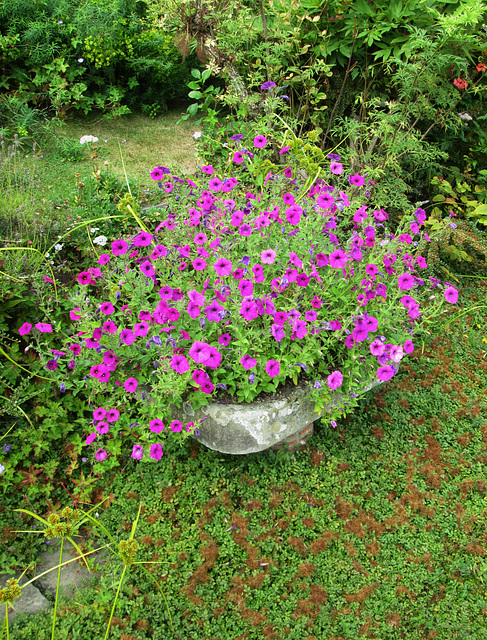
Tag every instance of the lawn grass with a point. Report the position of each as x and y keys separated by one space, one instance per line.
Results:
x=47 y=190
x=377 y=530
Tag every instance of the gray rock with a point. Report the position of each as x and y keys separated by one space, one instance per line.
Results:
x=73 y=575
x=31 y=599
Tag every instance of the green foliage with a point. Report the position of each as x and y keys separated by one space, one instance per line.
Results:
x=87 y=55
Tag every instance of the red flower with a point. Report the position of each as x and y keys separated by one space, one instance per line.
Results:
x=460 y=84
x=481 y=67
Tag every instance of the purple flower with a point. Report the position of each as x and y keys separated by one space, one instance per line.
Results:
x=247 y=362
x=260 y=142
x=267 y=85
x=405 y=281
x=337 y=259
x=335 y=380
x=138 y=452
x=199 y=351
x=451 y=295
x=25 y=328
x=248 y=309
x=156 y=451
x=385 y=373
x=101 y=455
x=223 y=267
x=272 y=368
x=179 y=364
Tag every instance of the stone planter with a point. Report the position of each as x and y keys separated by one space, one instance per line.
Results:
x=283 y=422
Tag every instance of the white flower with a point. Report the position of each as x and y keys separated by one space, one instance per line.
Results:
x=101 y=240
x=94 y=229
x=47 y=255
x=197 y=134
x=58 y=247
x=84 y=139
x=465 y=116
x=80 y=60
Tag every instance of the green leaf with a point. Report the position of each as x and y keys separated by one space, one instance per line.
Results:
x=192 y=109
x=205 y=75
x=196 y=95
x=195 y=73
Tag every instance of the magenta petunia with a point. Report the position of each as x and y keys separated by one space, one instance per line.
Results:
x=302 y=280
x=336 y=168
x=200 y=238
x=245 y=230
x=356 y=180
x=325 y=201
x=51 y=365
x=208 y=169
x=179 y=364
x=127 y=336
x=109 y=326
x=99 y=414
x=335 y=380
x=377 y=347
x=293 y=214
x=408 y=346
x=247 y=362
x=144 y=239
x=288 y=199
x=268 y=256
x=223 y=267
x=176 y=426
x=337 y=259
x=249 y=310
x=214 y=358
x=238 y=157
x=405 y=282
x=260 y=142
x=207 y=386
x=107 y=308
x=147 y=269
x=246 y=287
x=101 y=455
x=199 y=264
x=156 y=451
x=84 y=278
x=199 y=351
x=385 y=373
x=75 y=348
x=451 y=295
x=73 y=315
x=102 y=428
x=119 y=247
x=130 y=385
x=157 y=173
x=112 y=415
x=91 y=438
x=224 y=339
x=141 y=329
x=25 y=329
x=215 y=184
x=272 y=368
x=44 y=327
x=138 y=452
x=156 y=425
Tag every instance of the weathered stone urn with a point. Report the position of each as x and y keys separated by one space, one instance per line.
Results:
x=284 y=421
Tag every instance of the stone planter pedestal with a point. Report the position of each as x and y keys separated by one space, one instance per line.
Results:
x=284 y=422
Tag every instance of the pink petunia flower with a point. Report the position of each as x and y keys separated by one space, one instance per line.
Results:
x=101 y=455
x=335 y=380
x=272 y=368
x=156 y=451
x=156 y=425
x=25 y=329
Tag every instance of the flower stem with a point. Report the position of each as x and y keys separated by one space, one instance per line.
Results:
x=115 y=602
x=57 y=588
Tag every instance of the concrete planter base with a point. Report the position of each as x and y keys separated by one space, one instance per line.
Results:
x=282 y=422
